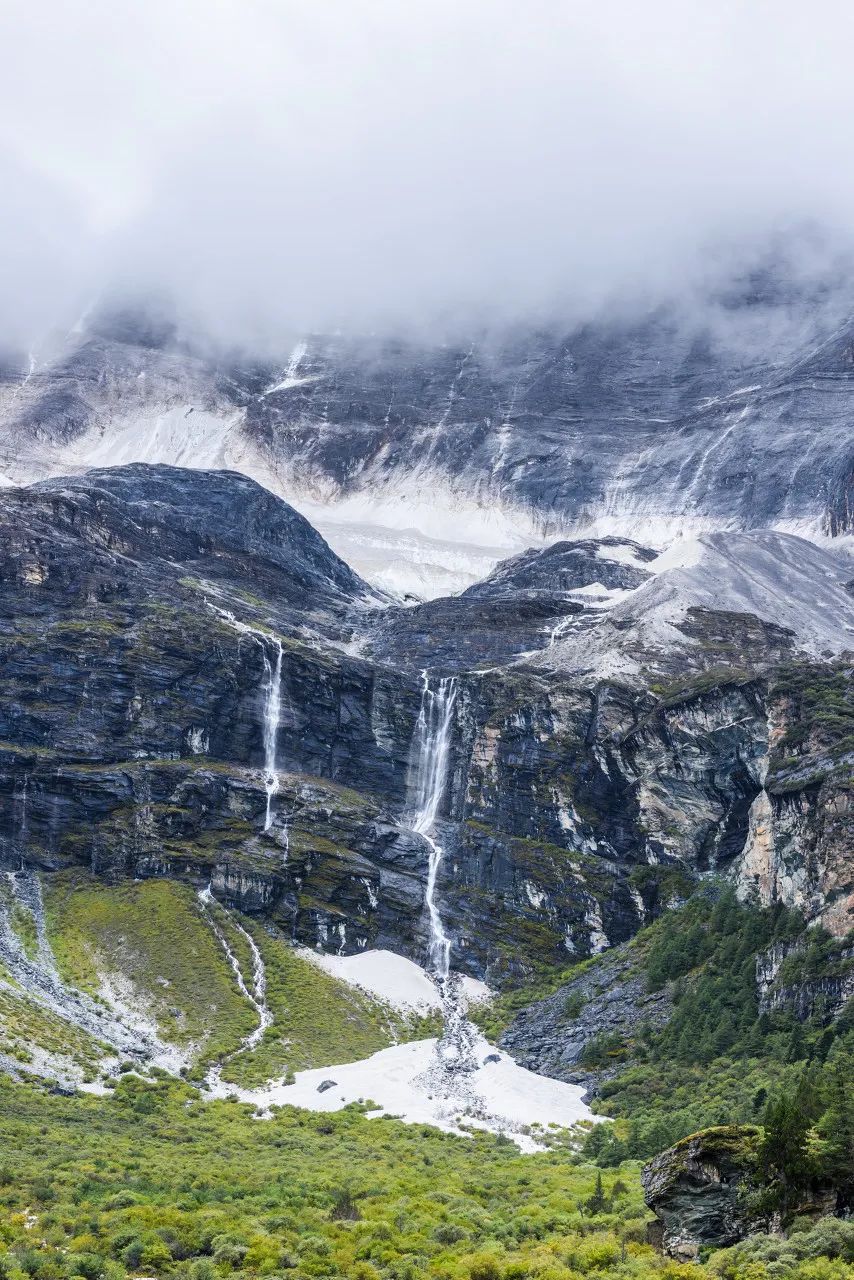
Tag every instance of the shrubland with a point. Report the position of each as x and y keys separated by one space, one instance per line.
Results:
x=150 y=1180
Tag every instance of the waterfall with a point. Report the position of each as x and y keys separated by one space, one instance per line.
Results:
x=272 y=716
x=455 y=1056
x=432 y=751
x=257 y=995
x=271 y=655
x=23 y=830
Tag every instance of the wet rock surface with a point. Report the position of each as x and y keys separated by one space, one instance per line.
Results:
x=139 y=610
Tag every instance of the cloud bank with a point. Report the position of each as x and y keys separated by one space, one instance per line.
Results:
x=276 y=166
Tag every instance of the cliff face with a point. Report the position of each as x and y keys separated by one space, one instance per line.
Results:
x=800 y=846
x=145 y=611
x=445 y=457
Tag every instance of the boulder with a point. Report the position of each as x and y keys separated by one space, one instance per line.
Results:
x=696 y=1190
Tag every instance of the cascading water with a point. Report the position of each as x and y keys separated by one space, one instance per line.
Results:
x=432 y=757
x=272 y=716
x=23 y=830
x=271 y=655
x=256 y=994
x=454 y=1057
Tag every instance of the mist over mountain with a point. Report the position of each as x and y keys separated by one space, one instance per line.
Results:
x=426 y=641
x=280 y=169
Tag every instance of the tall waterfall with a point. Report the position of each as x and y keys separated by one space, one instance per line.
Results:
x=23 y=830
x=272 y=716
x=432 y=753
x=271 y=656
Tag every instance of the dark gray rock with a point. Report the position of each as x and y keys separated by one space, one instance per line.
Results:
x=608 y=1001
x=694 y=1190
x=818 y=988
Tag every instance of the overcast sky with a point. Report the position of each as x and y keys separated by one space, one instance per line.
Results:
x=281 y=166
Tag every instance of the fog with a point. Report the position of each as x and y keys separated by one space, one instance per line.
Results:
x=273 y=167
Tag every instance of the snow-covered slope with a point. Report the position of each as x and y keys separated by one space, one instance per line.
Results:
x=425 y=464
x=802 y=589
x=498 y=1094
x=400 y=982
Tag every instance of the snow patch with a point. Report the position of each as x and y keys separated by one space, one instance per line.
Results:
x=501 y=1096
x=182 y=436
x=625 y=553
x=683 y=553
x=398 y=981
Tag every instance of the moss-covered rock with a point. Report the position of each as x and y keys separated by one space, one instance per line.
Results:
x=696 y=1190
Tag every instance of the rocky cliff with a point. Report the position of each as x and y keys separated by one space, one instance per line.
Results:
x=696 y=1190
x=146 y=609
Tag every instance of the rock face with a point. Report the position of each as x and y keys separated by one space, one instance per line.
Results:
x=609 y=1001
x=800 y=845
x=693 y=1189
x=810 y=981
x=444 y=458
x=145 y=609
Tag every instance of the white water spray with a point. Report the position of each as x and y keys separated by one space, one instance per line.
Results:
x=432 y=758
x=272 y=716
x=455 y=1057
x=271 y=654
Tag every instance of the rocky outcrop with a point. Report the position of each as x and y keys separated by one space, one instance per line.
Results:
x=519 y=608
x=695 y=1190
x=811 y=977
x=800 y=844
x=580 y=1033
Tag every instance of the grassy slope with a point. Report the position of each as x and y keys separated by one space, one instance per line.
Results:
x=317 y=1020
x=153 y=1182
x=153 y=1179
x=26 y=1030
x=155 y=935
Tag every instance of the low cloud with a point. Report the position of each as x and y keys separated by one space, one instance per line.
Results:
x=276 y=167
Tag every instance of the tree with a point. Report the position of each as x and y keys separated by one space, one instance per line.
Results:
x=597 y=1202
x=836 y=1130
x=783 y=1155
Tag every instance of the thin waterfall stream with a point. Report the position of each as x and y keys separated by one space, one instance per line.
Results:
x=431 y=764
x=272 y=652
x=432 y=757
x=272 y=717
x=256 y=994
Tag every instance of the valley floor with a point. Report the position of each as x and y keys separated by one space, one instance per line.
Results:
x=153 y=1181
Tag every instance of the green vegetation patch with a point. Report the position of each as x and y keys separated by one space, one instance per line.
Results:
x=26 y=1028
x=151 y=1181
x=154 y=934
x=317 y=1019
x=720 y=1057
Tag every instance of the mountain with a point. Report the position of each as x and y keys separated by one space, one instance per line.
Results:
x=541 y=804
x=425 y=464
x=145 y=610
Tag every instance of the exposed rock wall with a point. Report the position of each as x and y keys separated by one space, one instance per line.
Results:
x=693 y=1189
x=135 y=617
